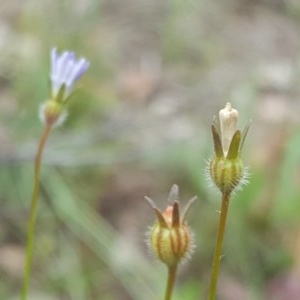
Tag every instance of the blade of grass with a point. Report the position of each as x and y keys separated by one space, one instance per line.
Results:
x=137 y=277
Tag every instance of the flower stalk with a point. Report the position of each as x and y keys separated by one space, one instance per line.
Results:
x=65 y=71
x=171 y=281
x=170 y=238
x=227 y=172
x=33 y=212
x=218 y=249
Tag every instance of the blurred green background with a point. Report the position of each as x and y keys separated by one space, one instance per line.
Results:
x=140 y=122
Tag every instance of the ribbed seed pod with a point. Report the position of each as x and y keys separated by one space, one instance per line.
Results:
x=170 y=238
x=226 y=173
x=170 y=244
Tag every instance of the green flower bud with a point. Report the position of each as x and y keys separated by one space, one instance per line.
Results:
x=226 y=167
x=170 y=238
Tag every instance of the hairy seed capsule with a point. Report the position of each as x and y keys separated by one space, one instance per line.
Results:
x=226 y=173
x=170 y=245
x=170 y=238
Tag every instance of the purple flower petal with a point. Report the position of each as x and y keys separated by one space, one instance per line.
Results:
x=61 y=66
x=79 y=68
x=66 y=70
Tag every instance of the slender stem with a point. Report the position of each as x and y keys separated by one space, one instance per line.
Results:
x=33 y=212
x=218 y=248
x=171 y=280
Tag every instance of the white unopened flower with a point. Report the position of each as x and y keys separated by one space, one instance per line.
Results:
x=226 y=168
x=228 y=117
x=65 y=71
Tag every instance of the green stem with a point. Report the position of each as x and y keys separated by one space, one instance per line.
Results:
x=218 y=248
x=171 y=280
x=33 y=212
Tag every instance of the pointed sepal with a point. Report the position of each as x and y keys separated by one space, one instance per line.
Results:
x=187 y=208
x=175 y=215
x=160 y=217
x=174 y=194
x=234 y=148
x=217 y=141
x=244 y=135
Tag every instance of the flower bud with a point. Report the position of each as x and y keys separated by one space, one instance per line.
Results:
x=228 y=117
x=226 y=167
x=170 y=238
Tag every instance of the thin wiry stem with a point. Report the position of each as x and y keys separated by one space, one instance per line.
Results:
x=171 y=280
x=33 y=212
x=218 y=248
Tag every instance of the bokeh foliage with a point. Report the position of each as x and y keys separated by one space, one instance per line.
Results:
x=160 y=71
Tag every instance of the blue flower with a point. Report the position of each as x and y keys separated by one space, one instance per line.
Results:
x=65 y=72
